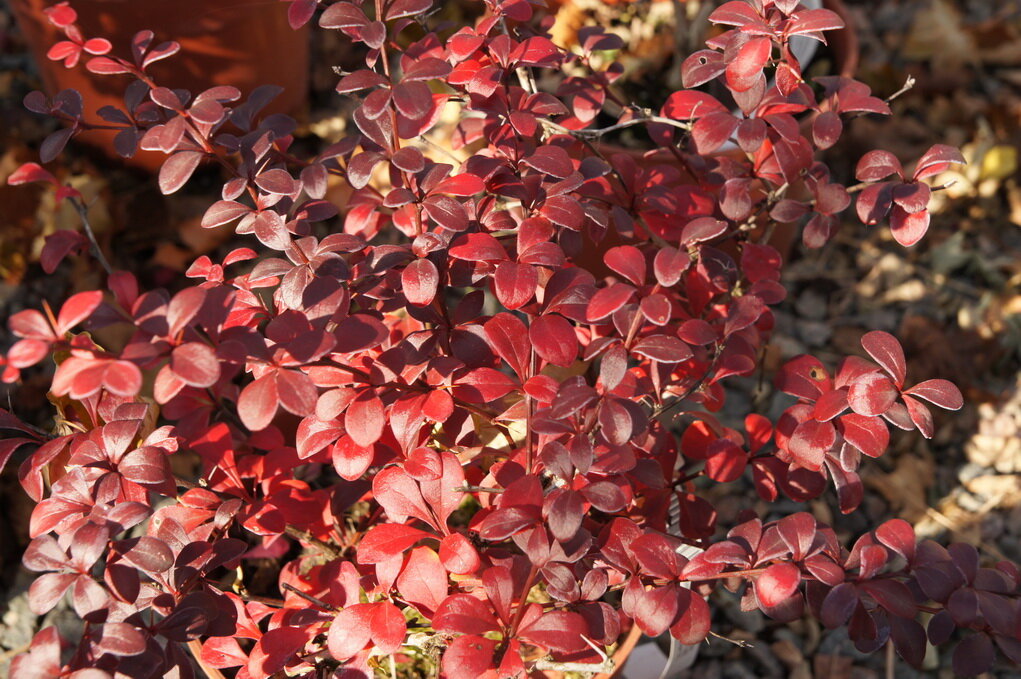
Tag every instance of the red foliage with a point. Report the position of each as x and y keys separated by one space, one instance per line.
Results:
x=458 y=393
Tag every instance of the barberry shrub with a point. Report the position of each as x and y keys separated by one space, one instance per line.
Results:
x=447 y=409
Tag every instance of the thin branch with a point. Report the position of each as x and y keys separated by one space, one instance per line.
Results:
x=908 y=84
x=477 y=489
x=83 y=213
x=324 y=548
x=544 y=665
x=316 y=601
x=599 y=132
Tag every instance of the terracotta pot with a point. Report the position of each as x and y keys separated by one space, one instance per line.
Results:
x=244 y=43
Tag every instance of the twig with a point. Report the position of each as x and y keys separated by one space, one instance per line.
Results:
x=908 y=84
x=309 y=598
x=83 y=213
x=8 y=654
x=324 y=548
x=544 y=665
x=740 y=643
x=599 y=132
x=477 y=489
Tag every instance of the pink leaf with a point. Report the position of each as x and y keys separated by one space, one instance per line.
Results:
x=938 y=392
x=887 y=352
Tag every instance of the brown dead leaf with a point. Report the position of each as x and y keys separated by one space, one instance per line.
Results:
x=938 y=35
x=904 y=488
x=828 y=666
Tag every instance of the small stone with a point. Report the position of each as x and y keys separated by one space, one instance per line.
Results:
x=970 y=471
x=736 y=669
x=764 y=658
x=991 y=526
x=815 y=333
x=811 y=304
x=788 y=653
x=969 y=502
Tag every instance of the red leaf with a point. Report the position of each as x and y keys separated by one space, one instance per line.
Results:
x=509 y=338
x=464 y=614
x=608 y=300
x=478 y=247
x=388 y=627
x=746 y=69
x=814 y=21
x=503 y=523
x=551 y=160
x=656 y=609
x=420 y=280
x=59 y=245
x=423 y=581
x=515 y=283
x=898 y=535
x=713 y=131
x=887 y=352
x=937 y=159
x=177 y=169
x=669 y=265
x=196 y=364
x=365 y=419
x=30 y=172
x=460 y=185
x=350 y=459
x=386 y=540
x=350 y=631
x=777 y=583
x=726 y=462
x=557 y=631
x=920 y=416
x=907 y=228
x=810 y=442
x=877 y=165
x=554 y=339
x=868 y=434
x=468 y=657
x=628 y=261
x=458 y=555
x=77 y=308
x=938 y=392
x=736 y=13
x=692 y=624
x=691 y=104
x=273 y=651
x=566 y=513
x=483 y=385
x=662 y=348
x=296 y=392
x=223 y=652
x=872 y=394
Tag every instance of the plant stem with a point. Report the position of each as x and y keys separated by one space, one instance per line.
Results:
x=83 y=213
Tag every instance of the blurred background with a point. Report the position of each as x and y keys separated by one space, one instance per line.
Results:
x=954 y=300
